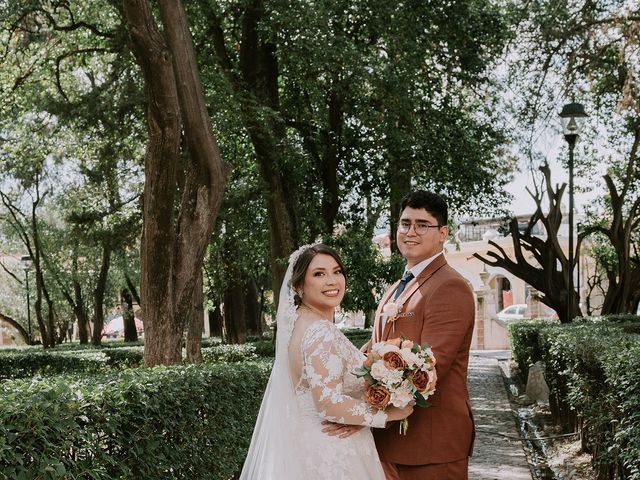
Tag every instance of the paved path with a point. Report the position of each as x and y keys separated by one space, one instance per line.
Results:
x=498 y=452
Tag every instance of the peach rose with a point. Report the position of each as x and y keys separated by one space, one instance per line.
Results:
x=396 y=342
x=394 y=361
x=433 y=378
x=378 y=396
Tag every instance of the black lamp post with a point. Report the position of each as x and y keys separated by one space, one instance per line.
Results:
x=573 y=118
x=26 y=264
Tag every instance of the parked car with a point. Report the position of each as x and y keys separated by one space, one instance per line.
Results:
x=519 y=311
x=513 y=312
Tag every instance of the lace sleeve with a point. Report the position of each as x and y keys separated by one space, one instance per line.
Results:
x=325 y=365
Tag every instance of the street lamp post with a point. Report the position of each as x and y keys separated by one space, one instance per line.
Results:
x=573 y=118
x=26 y=264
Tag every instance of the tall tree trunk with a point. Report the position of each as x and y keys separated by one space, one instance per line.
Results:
x=252 y=306
x=98 y=294
x=399 y=186
x=128 y=316
x=259 y=67
x=329 y=167
x=196 y=325
x=624 y=276
x=54 y=338
x=234 y=310
x=132 y=289
x=80 y=312
x=75 y=300
x=47 y=326
x=172 y=250
x=216 y=321
x=282 y=238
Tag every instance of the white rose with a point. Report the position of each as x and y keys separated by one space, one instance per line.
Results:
x=387 y=347
x=379 y=371
x=402 y=396
x=386 y=376
x=411 y=358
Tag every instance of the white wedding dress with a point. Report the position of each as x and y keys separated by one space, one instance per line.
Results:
x=288 y=442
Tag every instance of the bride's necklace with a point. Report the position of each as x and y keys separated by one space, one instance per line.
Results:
x=313 y=310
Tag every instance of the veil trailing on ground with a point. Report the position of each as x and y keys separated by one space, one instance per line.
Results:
x=278 y=432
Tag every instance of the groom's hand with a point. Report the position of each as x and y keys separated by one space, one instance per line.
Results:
x=339 y=430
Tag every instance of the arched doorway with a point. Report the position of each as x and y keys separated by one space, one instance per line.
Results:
x=504 y=294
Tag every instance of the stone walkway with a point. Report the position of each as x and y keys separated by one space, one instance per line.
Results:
x=498 y=452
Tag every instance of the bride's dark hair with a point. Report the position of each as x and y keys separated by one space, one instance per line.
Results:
x=302 y=264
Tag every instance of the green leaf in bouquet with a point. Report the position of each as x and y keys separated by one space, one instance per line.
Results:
x=420 y=400
x=361 y=372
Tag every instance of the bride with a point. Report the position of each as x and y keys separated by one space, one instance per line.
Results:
x=312 y=382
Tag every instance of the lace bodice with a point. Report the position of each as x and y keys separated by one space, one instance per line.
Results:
x=327 y=387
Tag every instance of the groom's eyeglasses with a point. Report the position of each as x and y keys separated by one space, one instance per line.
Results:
x=421 y=228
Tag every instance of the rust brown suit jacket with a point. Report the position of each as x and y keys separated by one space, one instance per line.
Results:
x=442 y=311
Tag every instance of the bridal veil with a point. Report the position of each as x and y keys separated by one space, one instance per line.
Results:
x=277 y=439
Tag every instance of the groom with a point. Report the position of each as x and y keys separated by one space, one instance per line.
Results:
x=437 y=308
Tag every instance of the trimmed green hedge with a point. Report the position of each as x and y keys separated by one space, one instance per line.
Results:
x=358 y=336
x=168 y=422
x=593 y=371
x=29 y=362
x=229 y=353
x=75 y=358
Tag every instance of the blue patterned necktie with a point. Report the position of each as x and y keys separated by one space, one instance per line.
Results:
x=408 y=276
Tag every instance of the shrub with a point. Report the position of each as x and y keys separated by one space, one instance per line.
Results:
x=128 y=357
x=593 y=371
x=229 y=353
x=623 y=372
x=358 y=336
x=265 y=348
x=210 y=342
x=168 y=422
x=525 y=343
x=29 y=362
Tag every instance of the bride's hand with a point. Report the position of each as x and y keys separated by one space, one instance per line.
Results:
x=395 y=413
x=339 y=430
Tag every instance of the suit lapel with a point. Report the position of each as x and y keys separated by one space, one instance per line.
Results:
x=414 y=285
x=383 y=302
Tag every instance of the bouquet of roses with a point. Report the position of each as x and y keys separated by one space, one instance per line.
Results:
x=399 y=373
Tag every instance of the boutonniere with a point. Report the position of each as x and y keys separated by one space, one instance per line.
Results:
x=392 y=311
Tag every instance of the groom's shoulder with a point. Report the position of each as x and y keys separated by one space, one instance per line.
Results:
x=449 y=275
